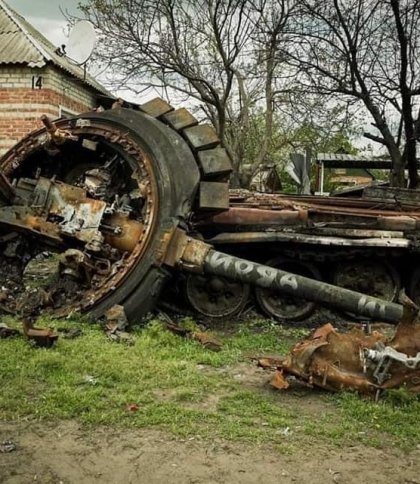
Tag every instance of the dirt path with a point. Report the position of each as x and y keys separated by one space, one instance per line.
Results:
x=67 y=453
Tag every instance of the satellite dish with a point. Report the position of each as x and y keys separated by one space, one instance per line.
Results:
x=82 y=40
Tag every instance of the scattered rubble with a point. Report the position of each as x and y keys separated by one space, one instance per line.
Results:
x=90 y=379
x=41 y=337
x=116 y=324
x=204 y=338
x=7 y=446
x=132 y=407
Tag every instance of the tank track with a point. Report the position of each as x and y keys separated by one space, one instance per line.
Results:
x=212 y=159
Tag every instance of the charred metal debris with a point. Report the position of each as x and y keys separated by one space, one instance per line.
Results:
x=367 y=363
x=131 y=207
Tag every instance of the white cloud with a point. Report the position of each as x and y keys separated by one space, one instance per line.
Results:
x=54 y=30
x=46 y=16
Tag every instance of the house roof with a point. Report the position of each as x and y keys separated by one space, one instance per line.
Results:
x=21 y=43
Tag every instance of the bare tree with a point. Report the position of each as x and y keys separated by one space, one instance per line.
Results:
x=219 y=53
x=368 y=52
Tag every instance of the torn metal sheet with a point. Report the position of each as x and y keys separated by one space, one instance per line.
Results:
x=204 y=338
x=41 y=337
x=357 y=361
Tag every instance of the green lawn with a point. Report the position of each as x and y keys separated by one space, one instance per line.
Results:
x=186 y=389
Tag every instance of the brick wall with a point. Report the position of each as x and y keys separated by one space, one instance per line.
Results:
x=21 y=103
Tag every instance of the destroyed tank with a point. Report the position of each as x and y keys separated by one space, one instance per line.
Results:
x=132 y=206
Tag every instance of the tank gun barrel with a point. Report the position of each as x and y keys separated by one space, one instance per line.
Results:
x=205 y=259
x=197 y=256
x=249 y=272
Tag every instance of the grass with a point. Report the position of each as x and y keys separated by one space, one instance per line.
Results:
x=181 y=387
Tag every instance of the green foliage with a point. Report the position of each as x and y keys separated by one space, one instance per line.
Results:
x=321 y=139
x=252 y=134
x=394 y=417
x=401 y=397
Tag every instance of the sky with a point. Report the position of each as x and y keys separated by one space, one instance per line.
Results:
x=45 y=15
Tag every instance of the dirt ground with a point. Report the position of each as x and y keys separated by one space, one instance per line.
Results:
x=69 y=453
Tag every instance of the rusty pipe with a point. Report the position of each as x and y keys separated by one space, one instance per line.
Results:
x=49 y=125
x=57 y=136
x=256 y=216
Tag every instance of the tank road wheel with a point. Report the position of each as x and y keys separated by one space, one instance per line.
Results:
x=284 y=307
x=373 y=278
x=107 y=192
x=214 y=296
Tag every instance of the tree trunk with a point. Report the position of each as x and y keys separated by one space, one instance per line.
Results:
x=410 y=156
x=397 y=178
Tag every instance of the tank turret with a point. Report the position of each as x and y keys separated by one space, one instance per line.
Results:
x=107 y=207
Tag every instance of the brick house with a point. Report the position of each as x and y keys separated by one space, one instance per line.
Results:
x=35 y=80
